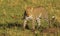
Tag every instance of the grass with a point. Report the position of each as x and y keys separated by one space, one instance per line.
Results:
x=11 y=12
x=19 y=32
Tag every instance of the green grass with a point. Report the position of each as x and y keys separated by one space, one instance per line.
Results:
x=11 y=11
x=19 y=32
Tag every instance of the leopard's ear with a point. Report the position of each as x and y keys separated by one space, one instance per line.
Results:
x=31 y=9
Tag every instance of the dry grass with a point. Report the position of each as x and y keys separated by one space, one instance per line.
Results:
x=11 y=11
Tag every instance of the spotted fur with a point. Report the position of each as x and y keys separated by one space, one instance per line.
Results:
x=35 y=14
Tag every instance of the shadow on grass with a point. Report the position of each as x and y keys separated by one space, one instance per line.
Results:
x=11 y=25
x=15 y=24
